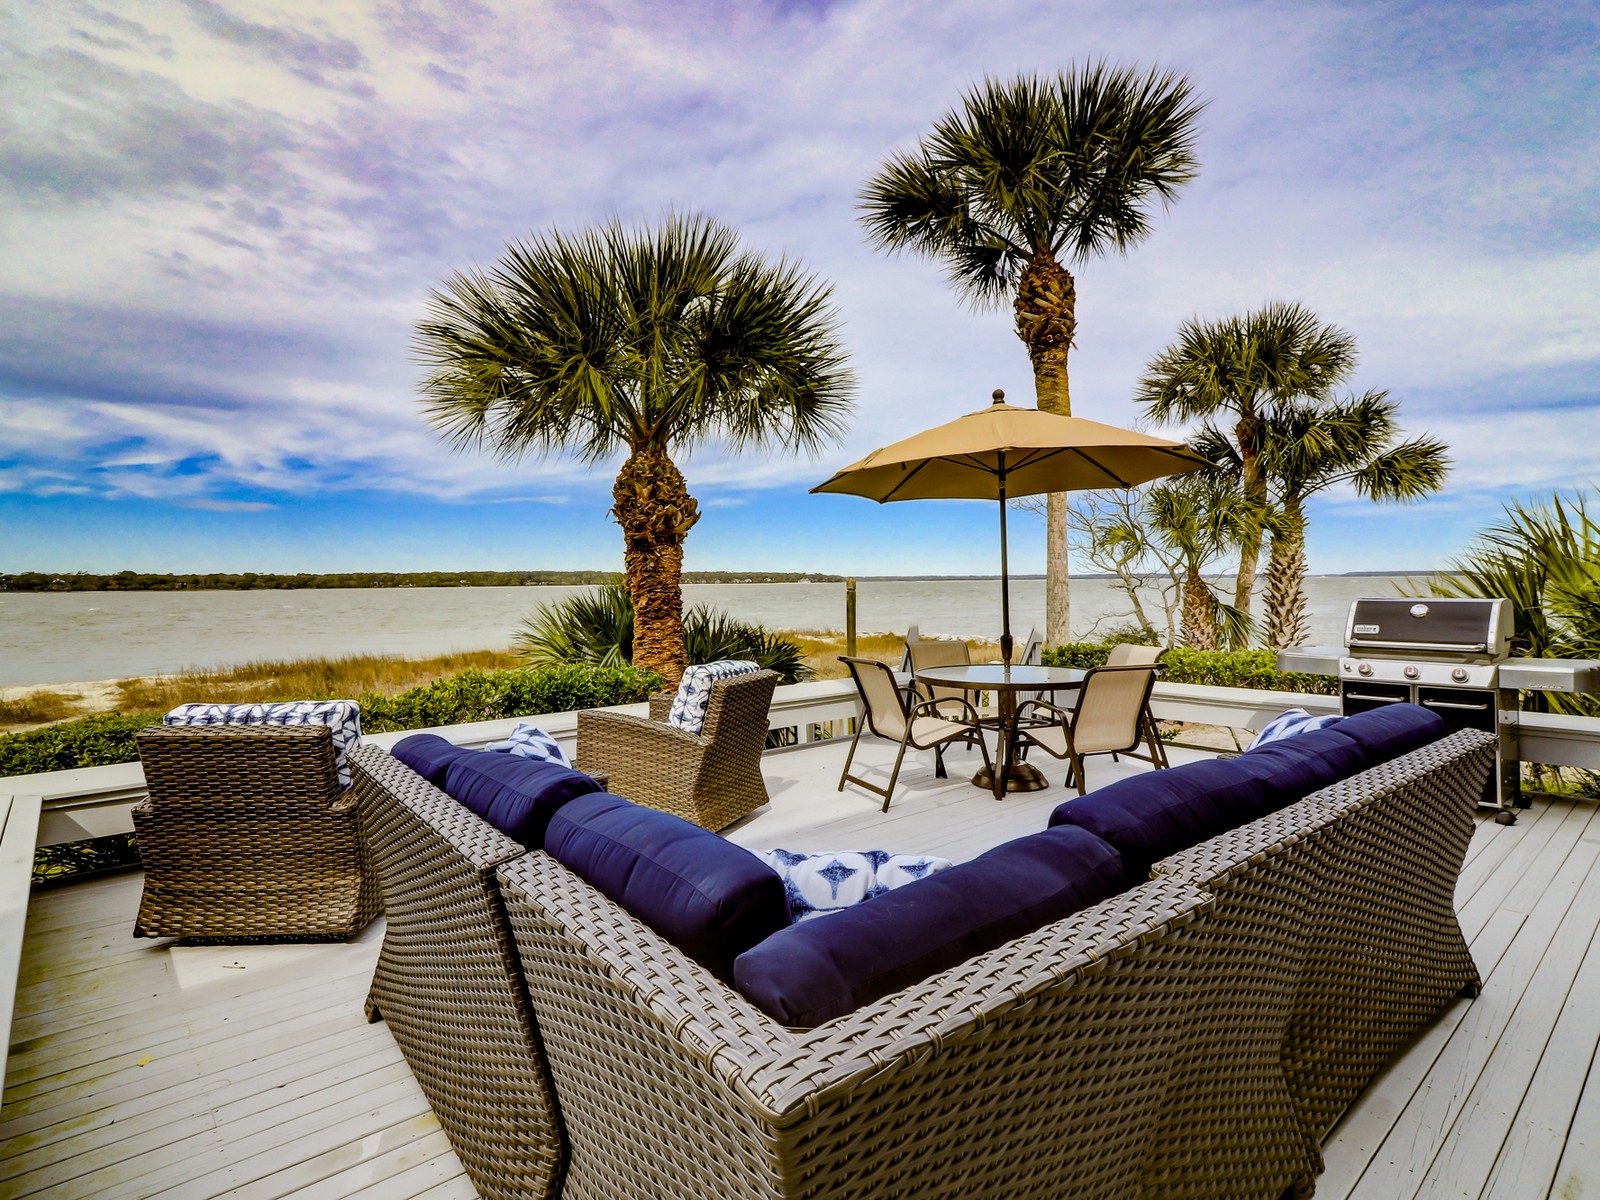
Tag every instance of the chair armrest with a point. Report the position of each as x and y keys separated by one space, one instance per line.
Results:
x=1060 y=714
x=932 y=709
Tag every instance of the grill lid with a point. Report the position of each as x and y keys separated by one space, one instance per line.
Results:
x=1458 y=630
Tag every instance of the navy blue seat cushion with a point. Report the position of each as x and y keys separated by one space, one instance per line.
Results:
x=816 y=970
x=515 y=795
x=1292 y=768
x=1393 y=730
x=1150 y=816
x=711 y=898
x=428 y=755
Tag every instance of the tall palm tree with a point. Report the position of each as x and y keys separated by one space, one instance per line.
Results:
x=1244 y=368
x=1310 y=448
x=644 y=342
x=1026 y=174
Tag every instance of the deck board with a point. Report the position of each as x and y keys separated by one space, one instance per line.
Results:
x=142 y=1068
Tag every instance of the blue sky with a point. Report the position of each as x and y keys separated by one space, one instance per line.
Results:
x=220 y=221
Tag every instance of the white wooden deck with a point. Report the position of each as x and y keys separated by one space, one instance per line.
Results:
x=142 y=1069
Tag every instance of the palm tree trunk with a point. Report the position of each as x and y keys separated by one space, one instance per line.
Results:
x=1199 y=623
x=1046 y=318
x=1253 y=483
x=656 y=512
x=1285 y=599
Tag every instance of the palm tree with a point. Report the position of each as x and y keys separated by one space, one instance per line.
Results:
x=645 y=342
x=1022 y=176
x=1191 y=521
x=1309 y=449
x=1244 y=368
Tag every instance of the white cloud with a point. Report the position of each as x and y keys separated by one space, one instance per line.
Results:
x=217 y=243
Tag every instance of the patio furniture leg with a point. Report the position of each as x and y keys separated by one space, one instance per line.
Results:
x=861 y=723
x=895 y=774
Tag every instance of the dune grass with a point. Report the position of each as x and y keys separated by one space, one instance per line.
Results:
x=303 y=678
x=39 y=708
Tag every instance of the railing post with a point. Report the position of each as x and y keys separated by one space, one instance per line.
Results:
x=850 y=617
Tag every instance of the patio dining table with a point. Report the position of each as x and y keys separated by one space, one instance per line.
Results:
x=1006 y=682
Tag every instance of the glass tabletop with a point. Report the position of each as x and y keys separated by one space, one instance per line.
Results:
x=997 y=677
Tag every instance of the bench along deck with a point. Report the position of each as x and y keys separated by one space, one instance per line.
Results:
x=263 y=1078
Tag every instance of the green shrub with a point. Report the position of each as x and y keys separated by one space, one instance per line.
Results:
x=470 y=696
x=1219 y=668
x=486 y=695
x=596 y=627
x=89 y=742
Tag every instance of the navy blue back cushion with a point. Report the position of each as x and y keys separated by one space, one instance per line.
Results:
x=711 y=898
x=516 y=795
x=428 y=755
x=1150 y=816
x=816 y=970
x=1292 y=768
x=1393 y=730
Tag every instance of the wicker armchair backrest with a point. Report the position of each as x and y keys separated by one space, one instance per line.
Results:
x=247 y=763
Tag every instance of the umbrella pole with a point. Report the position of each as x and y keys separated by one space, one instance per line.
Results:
x=1005 y=573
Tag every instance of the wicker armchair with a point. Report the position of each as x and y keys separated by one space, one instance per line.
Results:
x=711 y=778
x=246 y=833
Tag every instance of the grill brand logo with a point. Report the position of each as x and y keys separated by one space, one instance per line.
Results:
x=1369 y=629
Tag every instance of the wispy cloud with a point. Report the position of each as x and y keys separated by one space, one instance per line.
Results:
x=221 y=225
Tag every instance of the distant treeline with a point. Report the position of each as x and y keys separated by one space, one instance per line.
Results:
x=134 y=581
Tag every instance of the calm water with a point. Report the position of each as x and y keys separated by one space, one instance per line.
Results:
x=75 y=636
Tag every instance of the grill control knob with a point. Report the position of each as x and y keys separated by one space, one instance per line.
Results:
x=1412 y=672
x=1364 y=669
x=1459 y=675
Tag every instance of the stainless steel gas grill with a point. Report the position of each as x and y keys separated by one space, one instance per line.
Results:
x=1449 y=655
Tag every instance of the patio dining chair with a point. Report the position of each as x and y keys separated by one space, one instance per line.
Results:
x=1107 y=718
x=1127 y=654
x=938 y=652
x=919 y=726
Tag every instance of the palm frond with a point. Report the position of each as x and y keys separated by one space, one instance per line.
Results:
x=1036 y=165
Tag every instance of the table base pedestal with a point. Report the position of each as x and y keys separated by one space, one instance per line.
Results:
x=1021 y=777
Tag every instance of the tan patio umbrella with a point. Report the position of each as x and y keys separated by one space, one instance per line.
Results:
x=1002 y=452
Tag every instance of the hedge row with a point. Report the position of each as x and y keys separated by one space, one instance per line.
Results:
x=1219 y=668
x=469 y=696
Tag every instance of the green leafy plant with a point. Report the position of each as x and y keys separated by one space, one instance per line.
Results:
x=1544 y=557
x=1217 y=668
x=472 y=695
x=90 y=742
x=596 y=627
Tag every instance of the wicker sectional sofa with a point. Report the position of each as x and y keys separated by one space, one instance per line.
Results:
x=1194 y=1035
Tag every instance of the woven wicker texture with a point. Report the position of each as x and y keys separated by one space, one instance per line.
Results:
x=247 y=834
x=1379 y=854
x=711 y=778
x=448 y=986
x=1045 y=1068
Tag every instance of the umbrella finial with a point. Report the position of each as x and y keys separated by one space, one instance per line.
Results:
x=999 y=396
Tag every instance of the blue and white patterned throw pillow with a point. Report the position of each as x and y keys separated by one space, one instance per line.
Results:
x=818 y=884
x=1287 y=724
x=529 y=741
x=343 y=715
x=694 y=691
